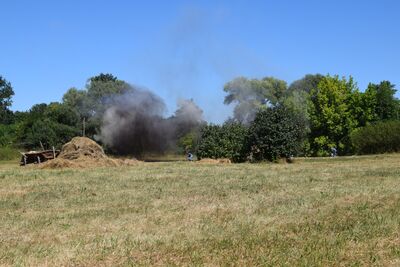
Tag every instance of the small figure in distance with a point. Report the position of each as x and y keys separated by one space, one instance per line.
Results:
x=333 y=152
x=189 y=156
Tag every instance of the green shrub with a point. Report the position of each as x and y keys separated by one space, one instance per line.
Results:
x=9 y=153
x=382 y=137
x=276 y=132
x=187 y=143
x=226 y=141
x=8 y=134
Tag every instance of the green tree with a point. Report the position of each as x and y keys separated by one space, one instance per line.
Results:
x=296 y=101
x=91 y=102
x=6 y=94
x=62 y=114
x=8 y=135
x=332 y=109
x=276 y=132
x=382 y=101
x=47 y=125
x=306 y=84
x=249 y=95
x=187 y=143
x=99 y=90
x=104 y=78
x=76 y=99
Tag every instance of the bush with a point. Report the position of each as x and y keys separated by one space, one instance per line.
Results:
x=8 y=134
x=49 y=133
x=9 y=153
x=187 y=143
x=226 y=141
x=382 y=137
x=276 y=132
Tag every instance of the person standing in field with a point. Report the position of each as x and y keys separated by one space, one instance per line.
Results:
x=333 y=152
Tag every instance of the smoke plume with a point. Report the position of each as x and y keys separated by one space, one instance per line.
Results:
x=134 y=123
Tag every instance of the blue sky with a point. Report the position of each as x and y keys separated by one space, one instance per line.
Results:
x=189 y=49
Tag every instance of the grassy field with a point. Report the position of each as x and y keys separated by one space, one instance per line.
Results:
x=316 y=212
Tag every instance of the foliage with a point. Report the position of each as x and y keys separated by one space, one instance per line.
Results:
x=62 y=114
x=91 y=102
x=249 y=95
x=48 y=125
x=381 y=100
x=104 y=78
x=276 y=132
x=332 y=109
x=306 y=84
x=6 y=93
x=296 y=103
x=226 y=141
x=9 y=153
x=382 y=137
x=76 y=99
x=325 y=108
x=49 y=133
x=187 y=143
x=8 y=134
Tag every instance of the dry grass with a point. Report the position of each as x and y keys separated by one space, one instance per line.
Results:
x=322 y=212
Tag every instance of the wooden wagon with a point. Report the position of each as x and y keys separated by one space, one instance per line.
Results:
x=37 y=157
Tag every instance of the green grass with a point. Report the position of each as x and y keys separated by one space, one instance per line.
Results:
x=328 y=212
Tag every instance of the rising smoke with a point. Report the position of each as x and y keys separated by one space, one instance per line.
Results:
x=134 y=123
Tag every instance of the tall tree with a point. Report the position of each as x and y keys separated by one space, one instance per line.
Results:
x=382 y=101
x=104 y=78
x=332 y=115
x=306 y=84
x=297 y=97
x=92 y=101
x=76 y=99
x=6 y=93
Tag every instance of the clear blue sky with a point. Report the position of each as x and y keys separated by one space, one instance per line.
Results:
x=189 y=49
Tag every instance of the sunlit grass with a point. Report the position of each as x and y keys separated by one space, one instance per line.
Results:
x=326 y=212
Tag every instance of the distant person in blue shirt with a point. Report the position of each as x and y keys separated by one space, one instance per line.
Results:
x=333 y=152
x=189 y=156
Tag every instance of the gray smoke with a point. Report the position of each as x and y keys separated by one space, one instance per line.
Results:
x=249 y=95
x=134 y=123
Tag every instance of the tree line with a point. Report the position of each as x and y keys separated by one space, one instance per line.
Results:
x=271 y=119
x=309 y=117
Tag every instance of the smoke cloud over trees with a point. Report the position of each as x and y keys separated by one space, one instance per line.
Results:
x=134 y=123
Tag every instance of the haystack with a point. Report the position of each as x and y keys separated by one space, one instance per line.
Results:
x=82 y=148
x=82 y=152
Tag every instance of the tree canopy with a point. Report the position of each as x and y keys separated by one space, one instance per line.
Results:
x=382 y=101
x=249 y=95
x=6 y=94
x=270 y=118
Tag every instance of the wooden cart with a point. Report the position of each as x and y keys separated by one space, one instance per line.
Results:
x=37 y=157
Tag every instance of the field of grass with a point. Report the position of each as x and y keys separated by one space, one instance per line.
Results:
x=318 y=212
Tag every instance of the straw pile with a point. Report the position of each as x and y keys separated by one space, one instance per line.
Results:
x=214 y=161
x=82 y=152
